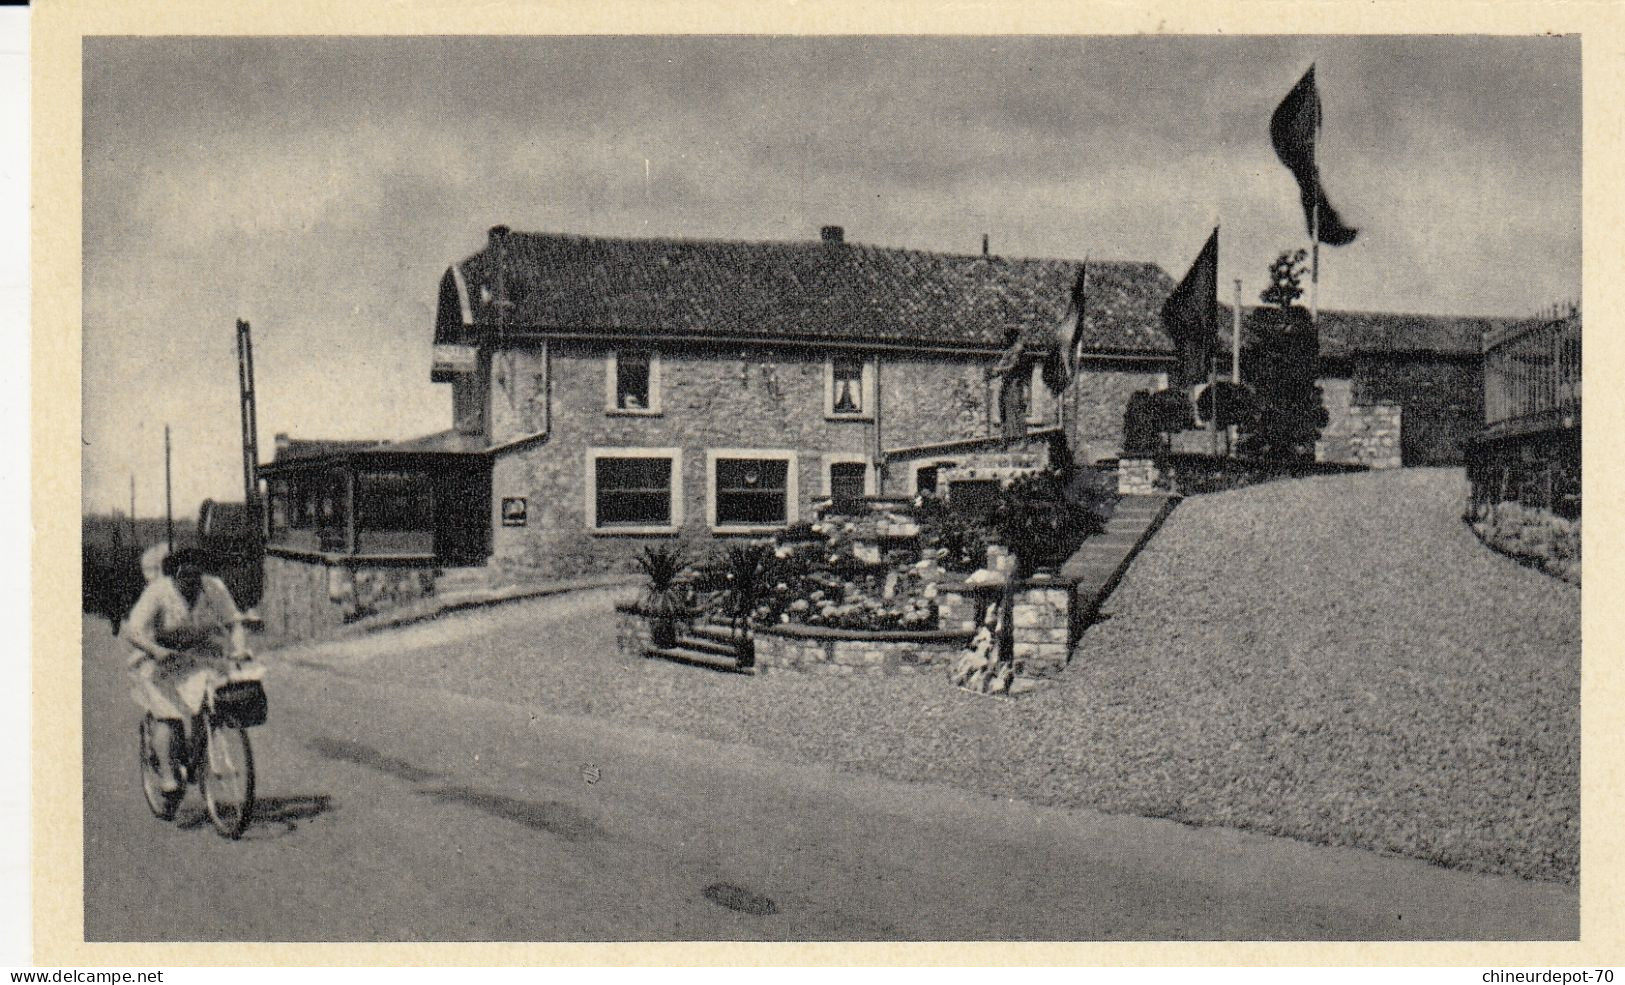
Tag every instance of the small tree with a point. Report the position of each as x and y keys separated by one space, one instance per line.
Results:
x=1286 y=280
x=1282 y=366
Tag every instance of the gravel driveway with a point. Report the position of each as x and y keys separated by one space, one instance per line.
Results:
x=1334 y=659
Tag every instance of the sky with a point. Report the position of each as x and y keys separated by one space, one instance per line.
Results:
x=320 y=187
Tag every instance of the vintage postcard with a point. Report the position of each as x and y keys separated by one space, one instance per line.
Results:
x=1057 y=485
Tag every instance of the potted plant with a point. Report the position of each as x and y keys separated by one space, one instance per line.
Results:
x=739 y=577
x=665 y=600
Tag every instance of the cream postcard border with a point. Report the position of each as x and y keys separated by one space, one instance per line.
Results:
x=59 y=26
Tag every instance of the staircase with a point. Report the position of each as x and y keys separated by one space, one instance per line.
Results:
x=1102 y=561
x=454 y=585
x=704 y=645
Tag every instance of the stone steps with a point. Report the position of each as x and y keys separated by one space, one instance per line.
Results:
x=707 y=644
x=697 y=658
x=1102 y=561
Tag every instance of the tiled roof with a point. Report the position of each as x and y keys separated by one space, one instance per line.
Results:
x=294 y=449
x=817 y=291
x=1350 y=333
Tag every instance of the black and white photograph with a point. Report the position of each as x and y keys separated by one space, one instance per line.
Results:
x=844 y=488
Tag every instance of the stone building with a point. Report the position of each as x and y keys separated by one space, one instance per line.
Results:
x=612 y=393
x=635 y=390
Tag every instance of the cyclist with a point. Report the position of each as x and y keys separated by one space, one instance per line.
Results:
x=184 y=623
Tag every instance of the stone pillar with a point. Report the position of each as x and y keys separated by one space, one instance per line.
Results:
x=1041 y=621
x=1137 y=476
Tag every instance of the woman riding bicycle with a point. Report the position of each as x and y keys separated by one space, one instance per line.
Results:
x=183 y=626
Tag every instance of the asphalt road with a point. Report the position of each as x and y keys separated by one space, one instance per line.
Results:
x=396 y=813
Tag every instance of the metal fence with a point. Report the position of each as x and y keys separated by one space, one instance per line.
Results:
x=1532 y=374
x=1529 y=450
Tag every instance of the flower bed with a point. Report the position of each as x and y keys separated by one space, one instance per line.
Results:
x=1536 y=537
x=859 y=571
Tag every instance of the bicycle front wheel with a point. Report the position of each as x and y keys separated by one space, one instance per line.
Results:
x=228 y=778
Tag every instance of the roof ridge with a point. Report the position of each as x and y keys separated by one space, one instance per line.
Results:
x=1371 y=313
x=809 y=244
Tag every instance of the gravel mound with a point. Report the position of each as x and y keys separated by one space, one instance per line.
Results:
x=1334 y=659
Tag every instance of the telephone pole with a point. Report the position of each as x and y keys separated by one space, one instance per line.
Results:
x=169 y=506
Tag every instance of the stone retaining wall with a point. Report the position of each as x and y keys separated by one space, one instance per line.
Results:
x=1044 y=616
x=308 y=597
x=848 y=651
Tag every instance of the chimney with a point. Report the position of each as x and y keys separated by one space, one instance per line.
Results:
x=499 y=248
x=984 y=244
x=833 y=234
x=281 y=442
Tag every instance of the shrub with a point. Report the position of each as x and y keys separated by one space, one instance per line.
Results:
x=1151 y=418
x=1282 y=365
x=1042 y=520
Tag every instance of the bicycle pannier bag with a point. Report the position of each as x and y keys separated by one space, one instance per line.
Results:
x=240 y=704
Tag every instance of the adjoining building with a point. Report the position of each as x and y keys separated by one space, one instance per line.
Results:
x=1399 y=389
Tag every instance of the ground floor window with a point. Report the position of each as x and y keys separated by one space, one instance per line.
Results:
x=633 y=489
x=928 y=476
x=846 y=480
x=752 y=489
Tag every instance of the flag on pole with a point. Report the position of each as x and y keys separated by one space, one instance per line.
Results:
x=1191 y=314
x=1294 y=130
x=1061 y=364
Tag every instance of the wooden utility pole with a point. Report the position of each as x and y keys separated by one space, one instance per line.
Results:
x=135 y=541
x=169 y=505
x=245 y=387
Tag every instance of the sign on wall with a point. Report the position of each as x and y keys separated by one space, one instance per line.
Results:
x=514 y=511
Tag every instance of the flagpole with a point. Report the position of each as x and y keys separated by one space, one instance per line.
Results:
x=1314 y=267
x=1235 y=359
x=1314 y=230
x=1212 y=360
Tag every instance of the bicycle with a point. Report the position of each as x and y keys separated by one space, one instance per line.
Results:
x=216 y=755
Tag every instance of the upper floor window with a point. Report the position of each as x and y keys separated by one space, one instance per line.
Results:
x=633 y=383
x=849 y=387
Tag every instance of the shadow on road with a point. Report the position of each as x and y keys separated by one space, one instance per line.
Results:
x=274 y=817
x=345 y=751
x=552 y=816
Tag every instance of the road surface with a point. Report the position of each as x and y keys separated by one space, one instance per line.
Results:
x=395 y=813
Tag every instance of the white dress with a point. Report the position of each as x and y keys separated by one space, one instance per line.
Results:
x=175 y=688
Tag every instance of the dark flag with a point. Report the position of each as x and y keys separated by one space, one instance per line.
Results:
x=1191 y=314
x=1060 y=365
x=1294 y=129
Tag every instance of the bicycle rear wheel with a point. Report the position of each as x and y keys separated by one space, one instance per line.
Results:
x=227 y=770
x=162 y=803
